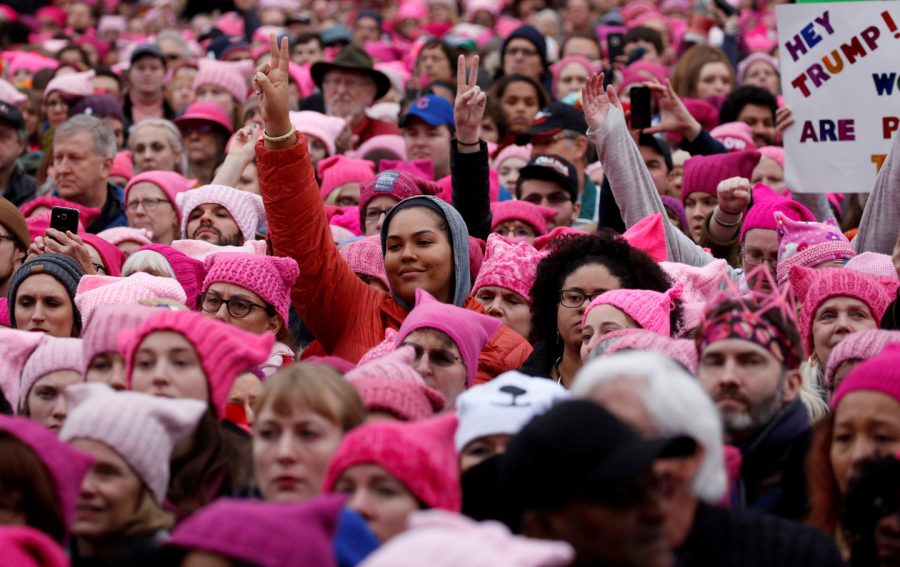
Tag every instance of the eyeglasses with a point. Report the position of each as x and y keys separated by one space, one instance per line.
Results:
x=523 y=51
x=755 y=258
x=439 y=356
x=237 y=308
x=557 y=198
x=375 y=214
x=148 y=204
x=573 y=299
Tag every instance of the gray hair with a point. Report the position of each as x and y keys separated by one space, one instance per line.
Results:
x=147 y=261
x=173 y=35
x=678 y=403
x=103 y=140
x=173 y=136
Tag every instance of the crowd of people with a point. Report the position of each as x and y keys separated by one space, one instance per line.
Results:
x=406 y=282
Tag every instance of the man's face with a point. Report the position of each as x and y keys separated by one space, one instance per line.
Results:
x=424 y=141
x=347 y=94
x=582 y=46
x=761 y=121
x=434 y=65
x=760 y=248
x=309 y=52
x=80 y=17
x=522 y=58
x=365 y=29
x=659 y=171
x=10 y=146
x=748 y=384
x=550 y=194
x=567 y=144
x=213 y=223
x=147 y=75
x=79 y=172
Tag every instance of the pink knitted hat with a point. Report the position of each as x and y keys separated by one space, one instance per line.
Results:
x=510 y=265
x=65 y=465
x=4 y=312
x=469 y=330
x=324 y=128
x=774 y=153
x=878 y=374
x=419 y=454
x=397 y=184
x=209 y=112
x=72 y=86
x=51 y=355
x=28 y=547
x=814 y=287
x=765 y=203
x=736 y=136
x=808 y=244
x=224 y=350
x=240 y=529
x=873 y=263
x=106 y=322
x=31 y=62
x=699 y=284
x=704 y=173
x=170 y=182
x=122 y=166
x=589 y=66
x=270 y=277
x=534 y=215
x=683 y=351
x=423 y=168
x=120 y=234
x=86 y=215
x=189 y=272
x=10 y=94
x=745 y=64
x=649 y=236
x=390 y=384
x=232 y=77
x=439 y=539
x=385 y=143
x=94 y=291
x=200 y=250
x=649 y=309
x=112 y=257
x=338 y=170
x=245 y=208
x=15 y=348
x=510 y=151
x=364 y=257
x=142 y=429
x=861 y=346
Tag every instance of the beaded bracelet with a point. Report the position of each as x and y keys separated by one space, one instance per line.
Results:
x=282 y=138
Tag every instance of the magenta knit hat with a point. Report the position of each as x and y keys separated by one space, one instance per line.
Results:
x=28 y=547
x=861 y=345
x=468 y=330
x=270 y=277
x=392 y=143
x=698 y=283
x=529 y=213
x=683 y=351
x=736 y=136
x=189 y=272
x=120 y=234
x=15 y=348
x=589 y=66
x=267 y=534
x=873 y=263
x=397 y=184
x=224 y=350
x=106 y=322
x=510 y=265
x=878 y=374
x=72 y=86
x=122 y=165
x=142 y=429
x=364 y=257
x=392 y=385
x=94 y=291
x=65 y=465
x=4 y=312
x=232 y=77
x=245 y=208
x=112 y=257
x=169 y=182
x=765 y=203
x=419 y=454
x=338 y=170
x=814 y=287
x=774 y=153
x=704 y=173
x=324 y=128
x=649 y=309
x=51 y=355
x=512 y=151
x=423 y=168
x=209 y=112
x=808 y=244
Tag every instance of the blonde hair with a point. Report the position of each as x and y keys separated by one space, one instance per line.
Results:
x=148 y=261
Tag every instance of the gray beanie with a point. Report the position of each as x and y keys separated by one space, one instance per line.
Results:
x=64 y=269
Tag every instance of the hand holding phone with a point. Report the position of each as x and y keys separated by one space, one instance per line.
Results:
x=64 y=219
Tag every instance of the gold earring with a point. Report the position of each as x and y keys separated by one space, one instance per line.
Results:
x=813 y=360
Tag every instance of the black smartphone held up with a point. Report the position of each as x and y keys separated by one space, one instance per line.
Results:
x=726 y=7
x=640 y=107
x=64 y=219
x=615 y=46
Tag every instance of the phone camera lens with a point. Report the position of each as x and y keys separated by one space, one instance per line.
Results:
x=64 y=216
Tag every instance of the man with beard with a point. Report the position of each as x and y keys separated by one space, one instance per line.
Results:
x=220 y=215
x=749 y=363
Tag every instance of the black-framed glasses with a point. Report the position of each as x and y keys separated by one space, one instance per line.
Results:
x=573 y=299
x=237 y=307
x=375 y=214
x=439 y=356
x=148 y=204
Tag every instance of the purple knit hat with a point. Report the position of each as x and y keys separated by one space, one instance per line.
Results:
x=364 y=257
x=702 y=174
x=51 y=355
x=649 y=309
x=808 y=244
x=189 y=271
x=169 y=182
x=265 y=533
x=878 y=374
x=335 y=171
x=107 y=320
x=142 y=429
x=860 y=346
x=468 y=330
x=510 y=265
x=529 y=213
x=66 y=466
x=94 y=291
x=244 y=207
x=674 y=205
x=766 y=203
x=270 y=277
x=873 y=263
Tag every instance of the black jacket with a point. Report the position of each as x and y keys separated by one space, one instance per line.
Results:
x=21 y=187
x=470 y=177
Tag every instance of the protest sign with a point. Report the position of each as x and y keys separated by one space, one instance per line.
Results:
x=840 y=75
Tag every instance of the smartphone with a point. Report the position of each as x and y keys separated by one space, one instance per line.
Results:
x=615 y=46
x=726 y=7
x=636 y=54
x=640 y=107
x=64 y=219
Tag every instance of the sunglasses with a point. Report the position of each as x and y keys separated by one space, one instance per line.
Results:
x=438 y=356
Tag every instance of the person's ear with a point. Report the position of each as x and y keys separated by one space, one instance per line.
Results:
x=793 y=383
x=106 y=166
x=581 y=145
x=274 y=324
x=576 y=210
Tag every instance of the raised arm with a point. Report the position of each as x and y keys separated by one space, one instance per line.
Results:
x=878 y=229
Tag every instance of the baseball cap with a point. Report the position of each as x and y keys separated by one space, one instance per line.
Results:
x=593 y=446
x=550 y=167
x=660 y=147
x=147 y=50
x=11 y=115
x=552 y=120
x=433 y=109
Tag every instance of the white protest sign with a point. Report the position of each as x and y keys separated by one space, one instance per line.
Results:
x=840 y=74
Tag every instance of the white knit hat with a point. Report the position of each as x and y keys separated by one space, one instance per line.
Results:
x=245 y=208
x=94 y=291
x=51 y=355
x=142 y=429
x=504 y=405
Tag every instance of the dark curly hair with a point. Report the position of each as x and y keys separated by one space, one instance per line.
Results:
x=634 y=269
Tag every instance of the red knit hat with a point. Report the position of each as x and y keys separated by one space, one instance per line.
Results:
x=702 y=174
x=878 y=374
x=224 y=351
x=420 y=454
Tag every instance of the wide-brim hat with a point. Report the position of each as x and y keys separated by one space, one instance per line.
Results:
x=354 y=59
